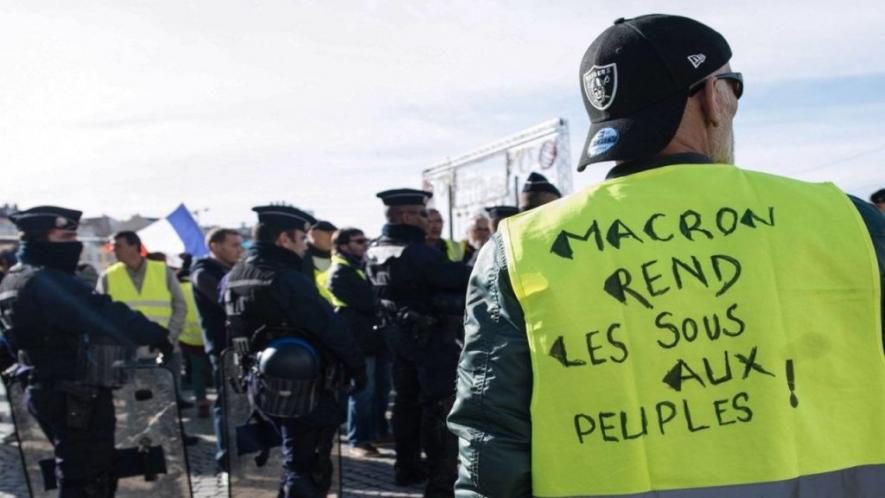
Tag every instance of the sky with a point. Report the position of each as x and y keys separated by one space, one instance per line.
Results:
x=131 y=107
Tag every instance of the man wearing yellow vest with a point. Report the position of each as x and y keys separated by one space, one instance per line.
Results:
x=453 y=250
x=191 y=339
x=318 y=259
x=354 y=300
x=685 y=328
x=149 y=287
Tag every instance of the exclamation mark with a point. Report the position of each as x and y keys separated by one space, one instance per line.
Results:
x=791 y=383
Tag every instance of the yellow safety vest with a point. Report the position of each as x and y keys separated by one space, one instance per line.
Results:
x=696 y=326
x=454 y=250
x=192 y=334
x=154 y=300
x=342 y=261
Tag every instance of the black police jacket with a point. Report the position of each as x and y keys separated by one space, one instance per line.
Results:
x=360 y=308
x=206 y=277
x=49 y=314
x=408 y=272
x=269 y=289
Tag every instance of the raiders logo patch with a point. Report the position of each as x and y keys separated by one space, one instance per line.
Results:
x=601 y=85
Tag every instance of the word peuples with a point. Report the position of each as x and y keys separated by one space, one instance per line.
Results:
x=624 y=425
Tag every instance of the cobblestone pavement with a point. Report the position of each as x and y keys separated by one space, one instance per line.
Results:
x=362 y=477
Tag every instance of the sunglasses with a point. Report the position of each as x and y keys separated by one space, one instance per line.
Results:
x=359 y=241
x=736 y=80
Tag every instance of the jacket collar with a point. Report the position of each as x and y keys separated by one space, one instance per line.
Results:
x=639 y=165
x=210 y=263
x=274 y=253
x=347 y=260
x=313 y=251
x=399 y=231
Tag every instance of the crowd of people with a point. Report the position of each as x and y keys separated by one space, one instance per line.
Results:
x=366 y=296
x=531 y=358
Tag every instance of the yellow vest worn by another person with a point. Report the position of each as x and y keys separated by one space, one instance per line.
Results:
x=340 y=260
x=154 y=300
x=321 y=279
x=192 y=334
x=701 y=326
x=454 y=250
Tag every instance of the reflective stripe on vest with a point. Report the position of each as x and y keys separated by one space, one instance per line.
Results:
x=454 y=250
x=859 y=482
x=698 y=326
x=321 y=278
x=154 y=300
x=342 y=261
x=192 y=334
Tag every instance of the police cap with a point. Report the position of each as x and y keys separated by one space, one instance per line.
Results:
x=46 y=217
x=286 y=217
x=501 y=212
x=536 y=182
x=404 y=196
x=324 y=226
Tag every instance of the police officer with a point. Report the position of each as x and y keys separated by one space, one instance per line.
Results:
x=537 y=191
x=499 y=213
x=270 y=301
x=585 y=325
x=408 y=276
x=66 y=336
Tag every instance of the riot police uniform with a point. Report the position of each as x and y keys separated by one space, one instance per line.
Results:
x=497 y=214
x=270 y=302
x=67 y=338
x=409 y=277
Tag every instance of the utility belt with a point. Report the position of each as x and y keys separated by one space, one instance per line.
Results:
x=100 y=365
x=276 y=396
x=421 y=326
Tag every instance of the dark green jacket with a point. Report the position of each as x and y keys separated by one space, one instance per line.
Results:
x=491 y=412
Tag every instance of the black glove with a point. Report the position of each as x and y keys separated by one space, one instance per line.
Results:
x=166 y=349
x=358 y=381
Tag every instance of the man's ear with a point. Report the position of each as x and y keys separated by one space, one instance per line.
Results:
x=710 y=103
x=282 y=239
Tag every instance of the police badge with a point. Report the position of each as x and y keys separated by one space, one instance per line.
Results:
x=601 y=85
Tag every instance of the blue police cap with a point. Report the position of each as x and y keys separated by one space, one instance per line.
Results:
x=287 y=217
x=501 y=212
x=404 y=196
x=537 y=182
x=46 y=217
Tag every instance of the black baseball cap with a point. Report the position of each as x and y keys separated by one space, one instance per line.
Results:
x=635 y=79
